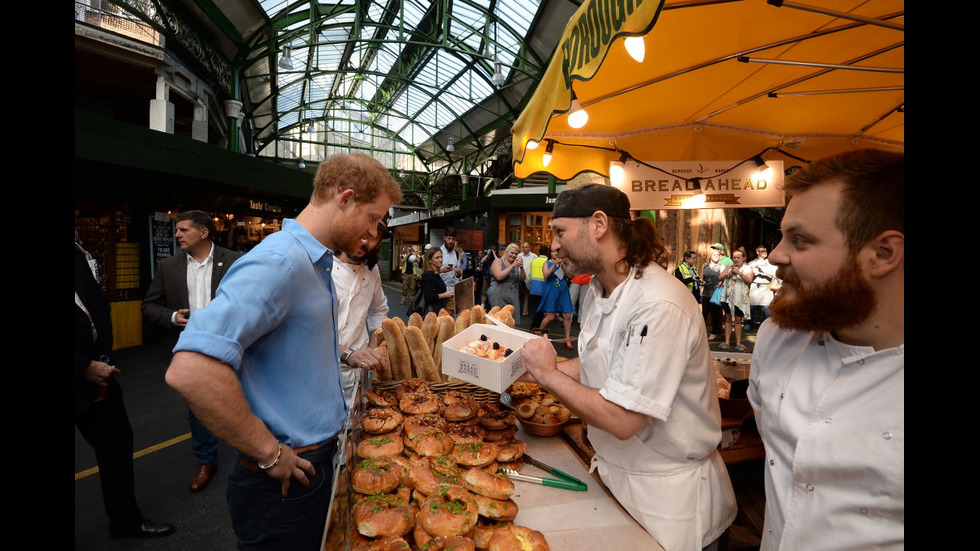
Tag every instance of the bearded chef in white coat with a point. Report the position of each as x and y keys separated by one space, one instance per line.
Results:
x=643 y=380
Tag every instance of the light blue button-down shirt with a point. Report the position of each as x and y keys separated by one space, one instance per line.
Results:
x=273 y=320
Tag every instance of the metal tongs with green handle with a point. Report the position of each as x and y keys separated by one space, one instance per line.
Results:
x=564 y=480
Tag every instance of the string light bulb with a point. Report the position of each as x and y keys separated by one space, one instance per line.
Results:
x=531 y=144
x=765 y=171
x=696 y=200
x=577 y=117
x=546 y=158
x=617 y=170
x=635 y=47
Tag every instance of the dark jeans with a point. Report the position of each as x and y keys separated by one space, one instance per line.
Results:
x=715 y=313
x=204 y=444
x=759 y=315
x=105 y=426
x=263 y=519
x=533 y=301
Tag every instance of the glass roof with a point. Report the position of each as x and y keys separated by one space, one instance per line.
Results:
x=390 y=77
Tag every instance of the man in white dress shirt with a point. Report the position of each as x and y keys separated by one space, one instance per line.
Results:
x=828 y=372
x=361 y=307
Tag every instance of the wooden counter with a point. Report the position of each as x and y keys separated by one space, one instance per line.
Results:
x=570 y=520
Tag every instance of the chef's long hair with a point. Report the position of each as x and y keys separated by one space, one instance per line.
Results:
x=641 y=242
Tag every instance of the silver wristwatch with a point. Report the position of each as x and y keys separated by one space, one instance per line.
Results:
x=346 y=355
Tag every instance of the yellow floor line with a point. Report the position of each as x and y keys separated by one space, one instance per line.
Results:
x=141 y=453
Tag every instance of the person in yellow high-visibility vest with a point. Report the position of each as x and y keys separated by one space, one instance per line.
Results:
x=410 y=273
x=536 y=288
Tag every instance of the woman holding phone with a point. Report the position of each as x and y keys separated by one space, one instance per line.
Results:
x=508 y=274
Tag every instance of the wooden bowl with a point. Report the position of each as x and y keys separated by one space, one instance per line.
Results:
x=540 y=429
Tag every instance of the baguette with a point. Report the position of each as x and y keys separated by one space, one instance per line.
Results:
x=415 y=320
x=447 y=330
x=422 y=363
x=384 y=372
x=478 y=315
x=430 y=328
x=463 y=320
x=509 y=307
x=444 y=312
x=399 y=359
x=493 y=311
x=377 y=337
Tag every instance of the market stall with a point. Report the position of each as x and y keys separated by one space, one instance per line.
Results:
x=550 y=492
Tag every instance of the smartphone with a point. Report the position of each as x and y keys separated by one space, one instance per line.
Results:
x=449 y=265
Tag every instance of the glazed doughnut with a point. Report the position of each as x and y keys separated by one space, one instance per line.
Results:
x=431 y=443
x=384 y=515
x=484 y=529
x=449 y=511
x=502 y=434
x=526 y=409
x=454 y=543
x=376 y=476
x=511 y=449
x=494 y=418
x=411 y=385
x=496 y=509
x=417 y=424
x=418 y=403
x=381 y=420
x=517 y=538
x=459 y=406
x=387 y=543
x=380 y=398
x=475 y=454
x=462 y=433
x=496 y=486
x=381 y=445
x=427 y=474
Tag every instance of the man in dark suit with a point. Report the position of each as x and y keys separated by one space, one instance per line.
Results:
x=183 y=283
x=100 y=413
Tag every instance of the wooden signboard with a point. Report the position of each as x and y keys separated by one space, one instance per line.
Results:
x=463 y=293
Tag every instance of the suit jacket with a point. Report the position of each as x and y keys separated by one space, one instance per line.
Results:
x=168 y=290
x=87 y=348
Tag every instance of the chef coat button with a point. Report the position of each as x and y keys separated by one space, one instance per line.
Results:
x=864 y=510
x=821 y=342
x=860 y=362
x=809 y=487
x=770 y=530
x=827 y=420
x=772 y=462
x=782 y=395
x=886 y=435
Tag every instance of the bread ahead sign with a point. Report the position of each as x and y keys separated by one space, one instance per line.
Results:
x=725 y=184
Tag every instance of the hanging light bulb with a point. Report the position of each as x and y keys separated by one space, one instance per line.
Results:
x=765 y=171
x=498 y=75
x=286 y=61
x=531 y=144
x=617 y=170
x=696 y=200
x=311 y=129
x=635 y=47
x=401 y=175
x=450 y=147
x=546 y=158
x=301 y=164
x=577 y=117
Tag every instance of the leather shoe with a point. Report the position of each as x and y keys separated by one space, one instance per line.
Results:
x=145 y=530
x=202 y=476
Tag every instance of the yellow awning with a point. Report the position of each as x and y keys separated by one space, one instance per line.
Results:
x=721 y=80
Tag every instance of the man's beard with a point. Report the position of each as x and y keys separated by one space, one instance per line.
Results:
x=844 y=301
x=589 y=263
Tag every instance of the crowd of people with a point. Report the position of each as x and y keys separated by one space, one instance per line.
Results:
x=269 y=361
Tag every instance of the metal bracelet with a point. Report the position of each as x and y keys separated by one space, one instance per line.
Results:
x=274 y=463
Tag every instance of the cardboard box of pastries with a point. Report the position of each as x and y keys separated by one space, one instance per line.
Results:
x=484 y=372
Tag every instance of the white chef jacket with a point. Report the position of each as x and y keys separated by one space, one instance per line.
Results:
x=361 y=307
x=832 y=418
x=669 y=476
